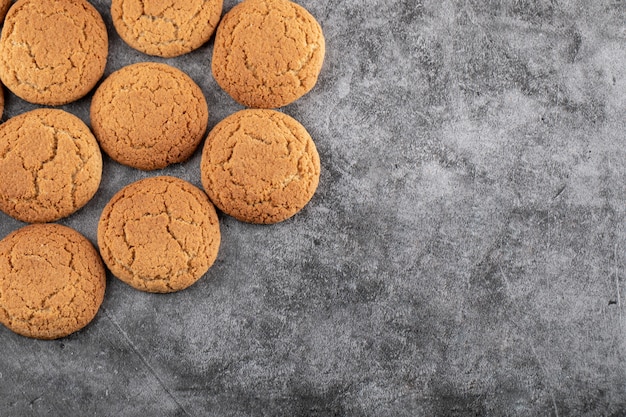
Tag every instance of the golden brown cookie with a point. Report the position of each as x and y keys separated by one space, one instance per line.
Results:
x=166 y=28
x=267 y=53
x=4 y=8
x=149 y=115
x=50 y=165
x=260 y=166
x=52 y=51
x=52 y=281
x=159 y=234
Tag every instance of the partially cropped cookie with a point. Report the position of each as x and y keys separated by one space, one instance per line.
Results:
x=52 y=52
x=165 y=28
x=50 y=165
x=267 y=53
x=159 y=234
x=52 y=281
x=149 y=115
x=260 y=166
x=4 y=8
x=1 y=100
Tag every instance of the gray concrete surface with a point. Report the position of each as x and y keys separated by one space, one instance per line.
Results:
x=464 y=254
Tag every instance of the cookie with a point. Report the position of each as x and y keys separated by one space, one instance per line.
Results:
x=4 y=8
x=1 y=100
x=149 y=115
x=165 y=28
x=52 y=52
x=50 y=165
x=52 y=281
x=260 y=166
x=159 y=234
x=267 y=53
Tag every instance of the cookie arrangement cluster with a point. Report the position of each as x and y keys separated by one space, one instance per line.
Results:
x=160 y=234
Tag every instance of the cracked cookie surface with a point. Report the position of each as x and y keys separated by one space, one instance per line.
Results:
x=159 y=234
x=52 y=281
x=149 y=115
x=50 y=165
x=267 y=53
x=260 y=166
x=52 y=52
x=165 y=28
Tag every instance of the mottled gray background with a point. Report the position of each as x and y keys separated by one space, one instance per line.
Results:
x=464 y=254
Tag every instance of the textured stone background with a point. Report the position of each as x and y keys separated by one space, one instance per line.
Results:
x=464 y=254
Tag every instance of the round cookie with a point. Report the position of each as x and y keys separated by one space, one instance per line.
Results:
x=260 y=166
x=165 y=28
x=52 y=281
x=4 y=8
x=50 y=165
x=52 y=52
x=159 y=234
x=267 y=53
x=149 y=115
